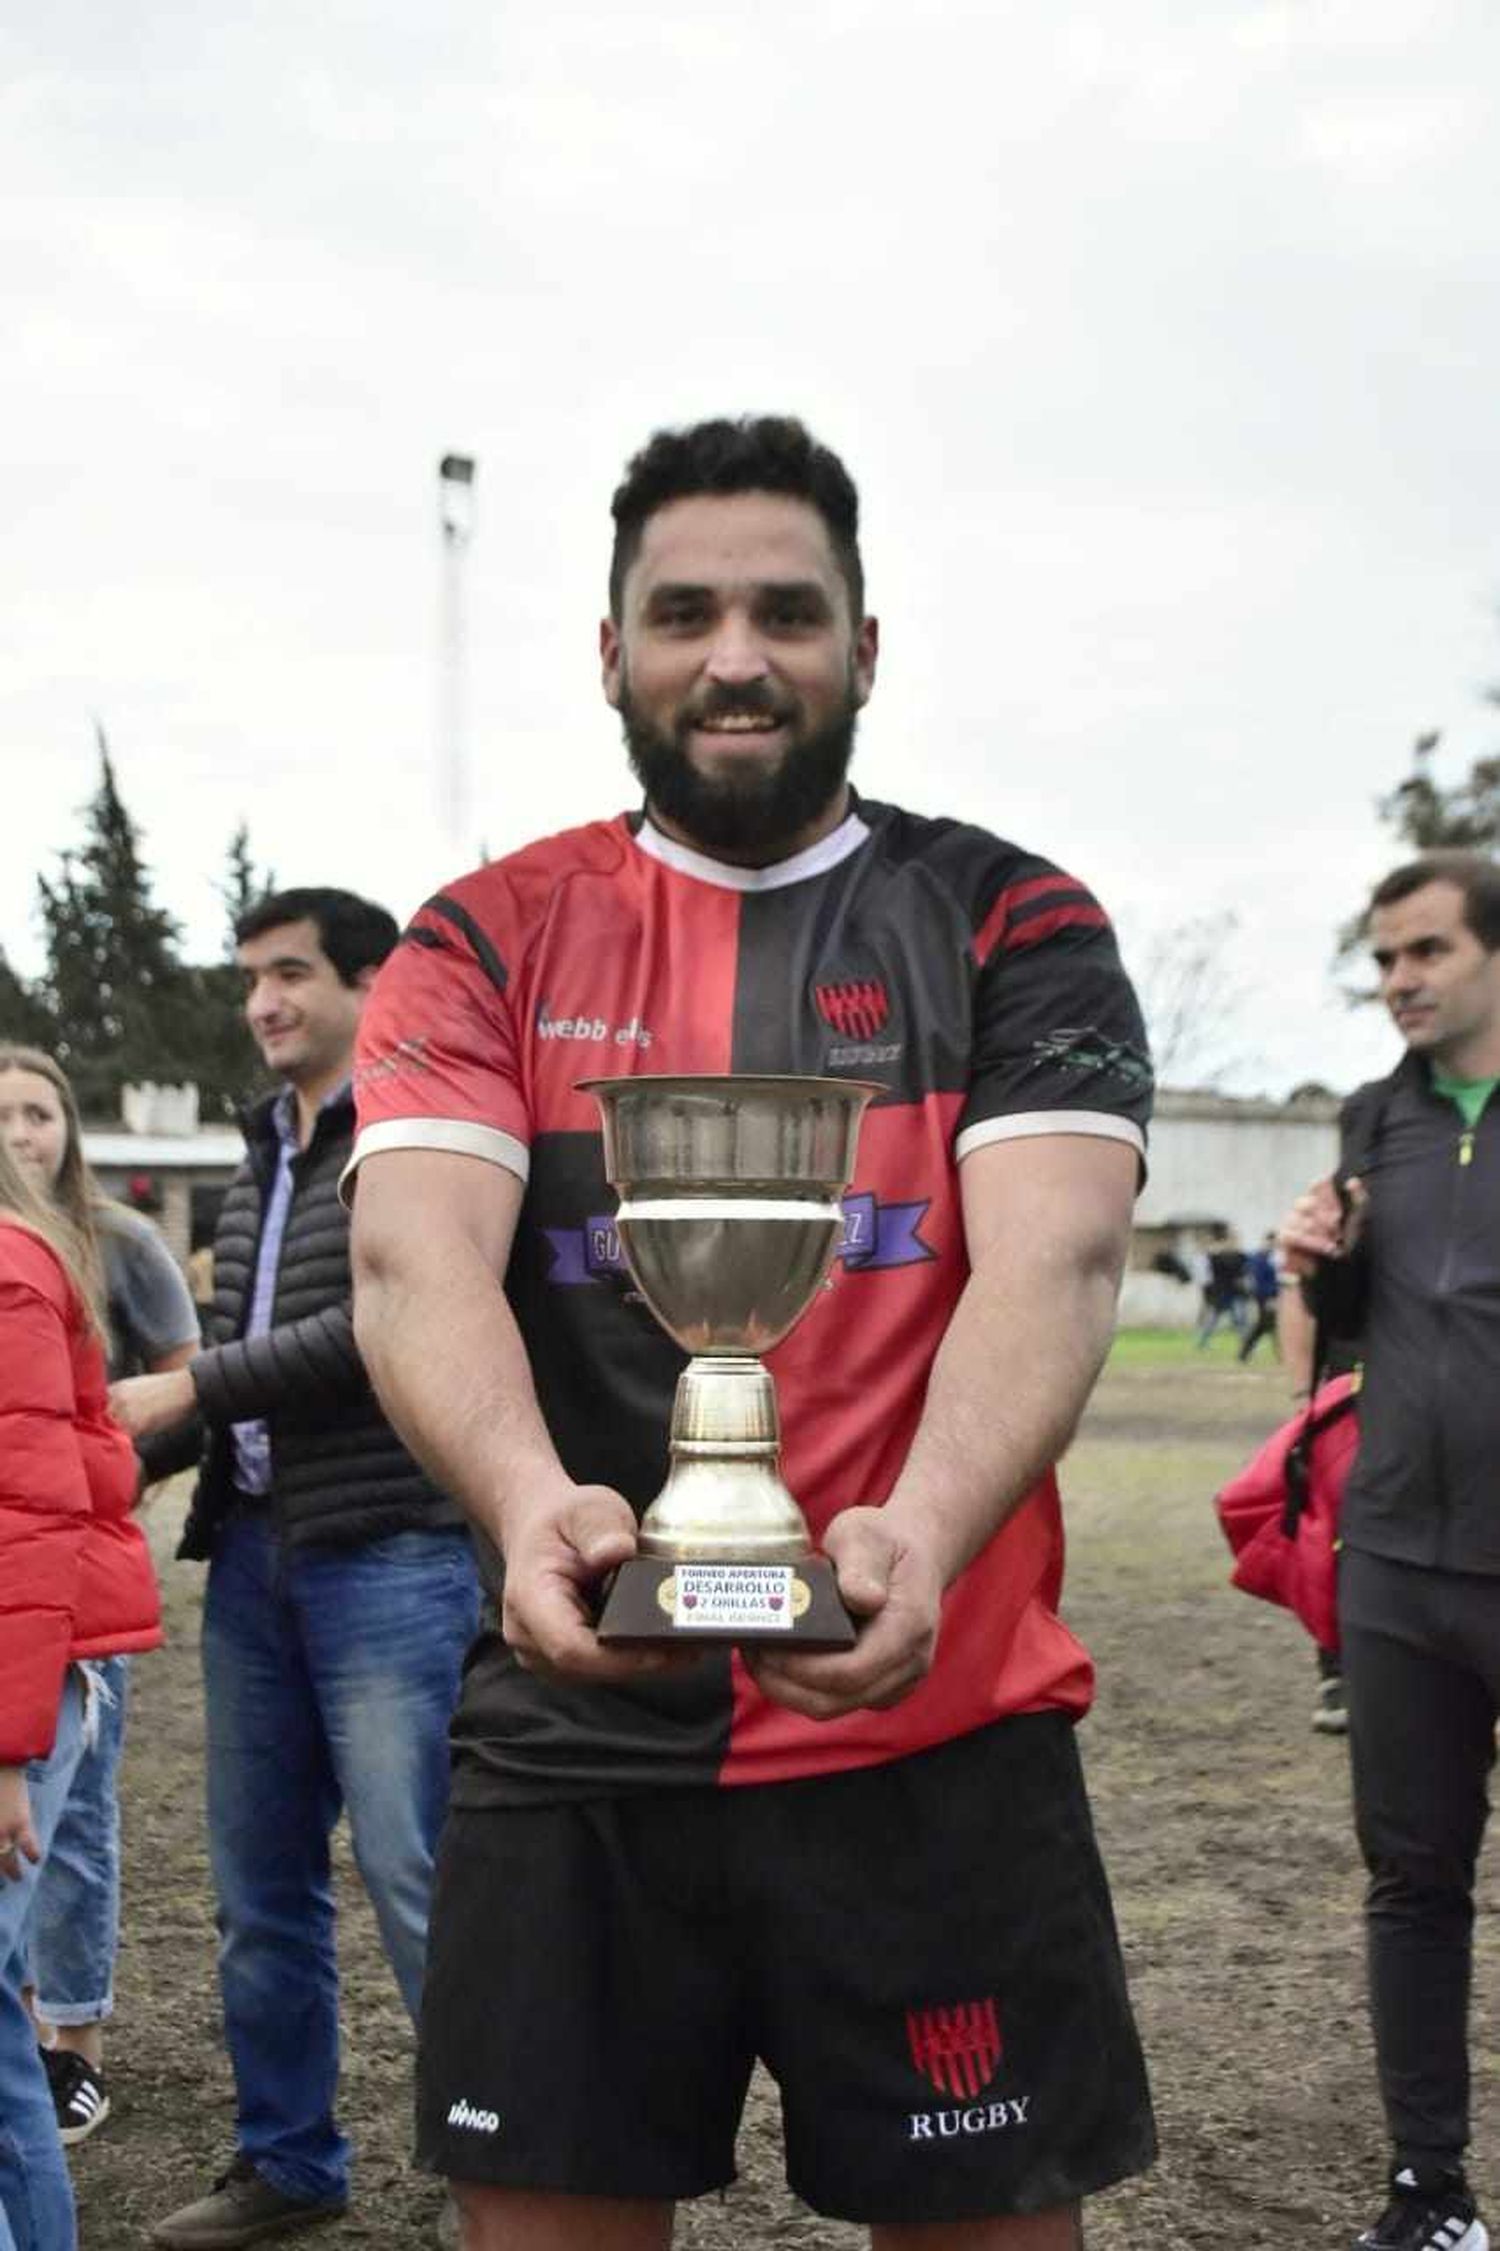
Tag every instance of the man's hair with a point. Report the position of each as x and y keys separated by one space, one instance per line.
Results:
x=1473 y=873
x=757 y=453
x=354 y=933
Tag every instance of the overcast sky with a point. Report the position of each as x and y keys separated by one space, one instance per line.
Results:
x=1161 y=338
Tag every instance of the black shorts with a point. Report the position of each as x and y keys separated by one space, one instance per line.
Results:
x=922 y=1953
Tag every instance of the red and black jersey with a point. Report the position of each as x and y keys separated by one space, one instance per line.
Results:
x=981 y=987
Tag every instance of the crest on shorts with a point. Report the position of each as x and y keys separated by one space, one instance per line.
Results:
x=958 y=2049
x=857 y=1008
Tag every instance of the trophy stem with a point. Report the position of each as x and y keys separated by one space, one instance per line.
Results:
x=724 y=1497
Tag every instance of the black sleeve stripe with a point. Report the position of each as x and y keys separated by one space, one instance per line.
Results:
x=461 y=919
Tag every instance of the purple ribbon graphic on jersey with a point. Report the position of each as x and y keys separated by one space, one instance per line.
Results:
x=877 y=1234
x=583 y=1254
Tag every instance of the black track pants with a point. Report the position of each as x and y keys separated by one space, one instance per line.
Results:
x=1422 y=1678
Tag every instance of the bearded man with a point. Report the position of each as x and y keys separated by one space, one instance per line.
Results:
x=874 y=1870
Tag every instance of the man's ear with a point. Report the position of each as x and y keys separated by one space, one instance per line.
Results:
x=610 y=661
x=866 y=652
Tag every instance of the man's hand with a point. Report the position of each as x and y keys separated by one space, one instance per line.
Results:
x=1319 y=1226
x=18 y=1837
x=144 y=1405
x=556 y=1554
x=896 y=1588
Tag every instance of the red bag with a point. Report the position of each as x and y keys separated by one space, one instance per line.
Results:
x=1281 y=1514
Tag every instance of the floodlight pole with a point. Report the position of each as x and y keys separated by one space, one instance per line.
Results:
x=456 y=517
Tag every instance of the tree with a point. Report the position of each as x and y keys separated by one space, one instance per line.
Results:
x=242 y=886
x=1428 y=817
x=227 y=1065
x=114 y=988
x=116 y=1003
x=1191 y=999
x=24 y=1019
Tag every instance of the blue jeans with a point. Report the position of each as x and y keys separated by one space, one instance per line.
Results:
x=330 y=1676
x=75 y=1918
x=36 y=2196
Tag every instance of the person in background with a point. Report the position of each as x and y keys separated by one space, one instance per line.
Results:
x=1224 y=1286
x=150 y=1323
x=1400 y=1249
x=342 y=1591
x=76 y=1585
x=1265 y=1288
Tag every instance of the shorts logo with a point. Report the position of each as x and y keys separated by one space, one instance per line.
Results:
x=463 y=2113
x=958 y=2049
x=857 y=1008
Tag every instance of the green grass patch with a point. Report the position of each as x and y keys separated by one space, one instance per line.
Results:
x=1166 y=1348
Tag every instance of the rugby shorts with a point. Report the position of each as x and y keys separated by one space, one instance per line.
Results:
x=922 y=1953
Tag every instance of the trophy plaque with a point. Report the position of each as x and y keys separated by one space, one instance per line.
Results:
x=730 y=1215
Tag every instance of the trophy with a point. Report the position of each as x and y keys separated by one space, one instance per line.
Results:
x=730 y=1214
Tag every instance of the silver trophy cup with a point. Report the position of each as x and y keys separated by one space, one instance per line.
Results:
x=730 y=1215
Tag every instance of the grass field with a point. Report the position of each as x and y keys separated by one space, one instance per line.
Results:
x=1223 y=1818
x=1177 y=1348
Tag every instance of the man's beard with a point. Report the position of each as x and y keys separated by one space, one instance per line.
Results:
x=755 y=815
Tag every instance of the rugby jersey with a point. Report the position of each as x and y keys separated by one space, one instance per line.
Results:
x=981 y=988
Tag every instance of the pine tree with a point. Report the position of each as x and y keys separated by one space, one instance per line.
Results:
x=242 y=885
x=114 y=987
x=228 y=1067
x=24 y=1018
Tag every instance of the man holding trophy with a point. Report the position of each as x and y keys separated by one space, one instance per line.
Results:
x=768 y=1751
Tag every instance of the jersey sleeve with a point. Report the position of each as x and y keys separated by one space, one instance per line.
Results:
x=437 y=1064
x=1059 y=1043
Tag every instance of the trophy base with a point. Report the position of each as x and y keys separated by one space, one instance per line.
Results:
x=656 y=1598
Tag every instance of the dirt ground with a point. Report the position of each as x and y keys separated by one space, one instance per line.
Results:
x=1225 y=1826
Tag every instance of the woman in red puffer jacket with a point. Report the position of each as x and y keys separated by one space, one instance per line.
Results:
x=75 y=1582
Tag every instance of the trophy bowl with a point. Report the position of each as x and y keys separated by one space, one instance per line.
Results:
x=730 y=1216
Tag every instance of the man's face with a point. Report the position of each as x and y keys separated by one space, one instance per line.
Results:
x=737 y=672
x=301 y=1014
x=1440 y=985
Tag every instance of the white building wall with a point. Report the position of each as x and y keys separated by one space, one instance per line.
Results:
x=1213 y=1160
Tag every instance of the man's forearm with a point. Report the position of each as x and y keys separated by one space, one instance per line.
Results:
x=1019 y=1360
x=448 y=1365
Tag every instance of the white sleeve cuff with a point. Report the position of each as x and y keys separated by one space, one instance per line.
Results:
x=1099 y=1125
x=458 y=1136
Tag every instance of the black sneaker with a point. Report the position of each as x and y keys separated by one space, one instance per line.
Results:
x=78 y=2094
x=241 y=2208
x=1419 y=2219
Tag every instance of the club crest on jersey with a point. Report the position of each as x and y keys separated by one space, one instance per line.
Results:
x=958 y=2049
x=856 y=1008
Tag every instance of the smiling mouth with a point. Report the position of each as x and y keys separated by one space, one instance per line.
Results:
x=739 y=723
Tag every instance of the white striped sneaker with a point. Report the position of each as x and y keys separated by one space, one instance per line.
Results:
x=78 y=2094
x=1418 y=2219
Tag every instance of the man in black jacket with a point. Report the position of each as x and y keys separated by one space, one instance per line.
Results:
x=1402 y=1247
x=341 y=1588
